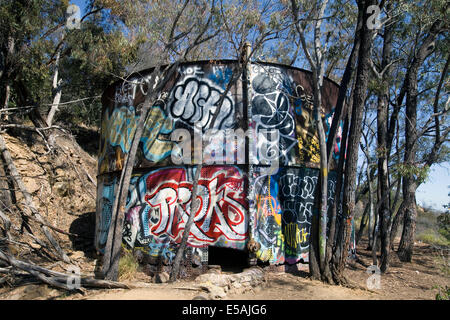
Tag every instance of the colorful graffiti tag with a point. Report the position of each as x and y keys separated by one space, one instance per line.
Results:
x=271 y=107
x=285 y=205
x=159 y=203
x=117 y=129
x=237 y=205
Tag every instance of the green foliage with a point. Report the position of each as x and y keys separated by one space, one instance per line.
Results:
x=431 y=237
x=420 y=174
x=443 y=221
x=443 y=294
x=429 y=227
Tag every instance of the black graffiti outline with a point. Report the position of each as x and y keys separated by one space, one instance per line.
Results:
x=198 y=100
x=267 y=90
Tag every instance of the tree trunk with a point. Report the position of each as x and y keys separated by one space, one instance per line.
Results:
x=383 y=153
x=110 y=267
x=410 y=182
x=57 y=92
x=398 y=219
x=193 y=209
x=187 y=228
x=359 y=98
x=363 y=223
x=405 y=248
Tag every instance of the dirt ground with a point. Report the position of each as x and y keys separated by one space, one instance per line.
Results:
x=404 y=281
x=418 y=280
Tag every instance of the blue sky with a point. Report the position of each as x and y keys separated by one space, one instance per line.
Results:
x=81 y=4
x=432 y=193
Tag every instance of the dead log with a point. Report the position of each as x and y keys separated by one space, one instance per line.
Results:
x=29 y=200
x=54 y=278
x=6 y=224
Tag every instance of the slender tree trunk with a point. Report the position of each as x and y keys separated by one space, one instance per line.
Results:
x=57 y=92
x=398 y=219
x=323 y=208
x=360 y=94
x=5 y=101
x=187 y=228
x=110 y=267
x=383 y=153
x=410 y=182
x=193 y=209
x=363 y=223
x=405 y=249
x=7 y=74
x=370 y=224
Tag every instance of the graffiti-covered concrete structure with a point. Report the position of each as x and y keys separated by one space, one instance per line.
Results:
x=241 y=201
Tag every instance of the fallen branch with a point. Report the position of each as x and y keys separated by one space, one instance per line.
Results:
x=54 y=278
x=29 y=200
x=35 y=129
x=6 y=223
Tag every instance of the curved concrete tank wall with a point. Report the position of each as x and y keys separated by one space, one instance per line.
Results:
x=240 y=200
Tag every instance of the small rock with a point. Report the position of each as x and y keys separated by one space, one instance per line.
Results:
x=237 y=285
x=76 y=255
x=162 y=277
x=216 y=292
x=139 y=255
x=200 y=297
x=62 y=188
x=214 y=269
x=150 y=270
x=221 y=280
x=196 y=261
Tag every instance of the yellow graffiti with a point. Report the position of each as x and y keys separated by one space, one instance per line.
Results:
x=265 y=207
x=265 y=255
x=293 y=235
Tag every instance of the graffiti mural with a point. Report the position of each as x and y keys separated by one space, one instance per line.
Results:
x=238 y=204
x=337 y=146
x=121 y=125
x=105 y=202
x=307 y=139
x=271 y=107
x=192 y=99
x=196 y=100
x=267 y=229
x=159 y=203
x=285 y=205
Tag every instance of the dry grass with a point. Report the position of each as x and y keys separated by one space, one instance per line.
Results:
x=128 y=266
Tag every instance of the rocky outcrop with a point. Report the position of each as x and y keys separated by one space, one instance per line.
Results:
x=218 y=285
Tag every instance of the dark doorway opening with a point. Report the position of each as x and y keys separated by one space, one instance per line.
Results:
x=230 y=260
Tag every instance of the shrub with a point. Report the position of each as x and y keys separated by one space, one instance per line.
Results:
x=443 y=221
x=128 y=266
x=431 y=237
x=443 y=294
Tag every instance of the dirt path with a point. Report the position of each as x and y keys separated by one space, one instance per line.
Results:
x=416 y=280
